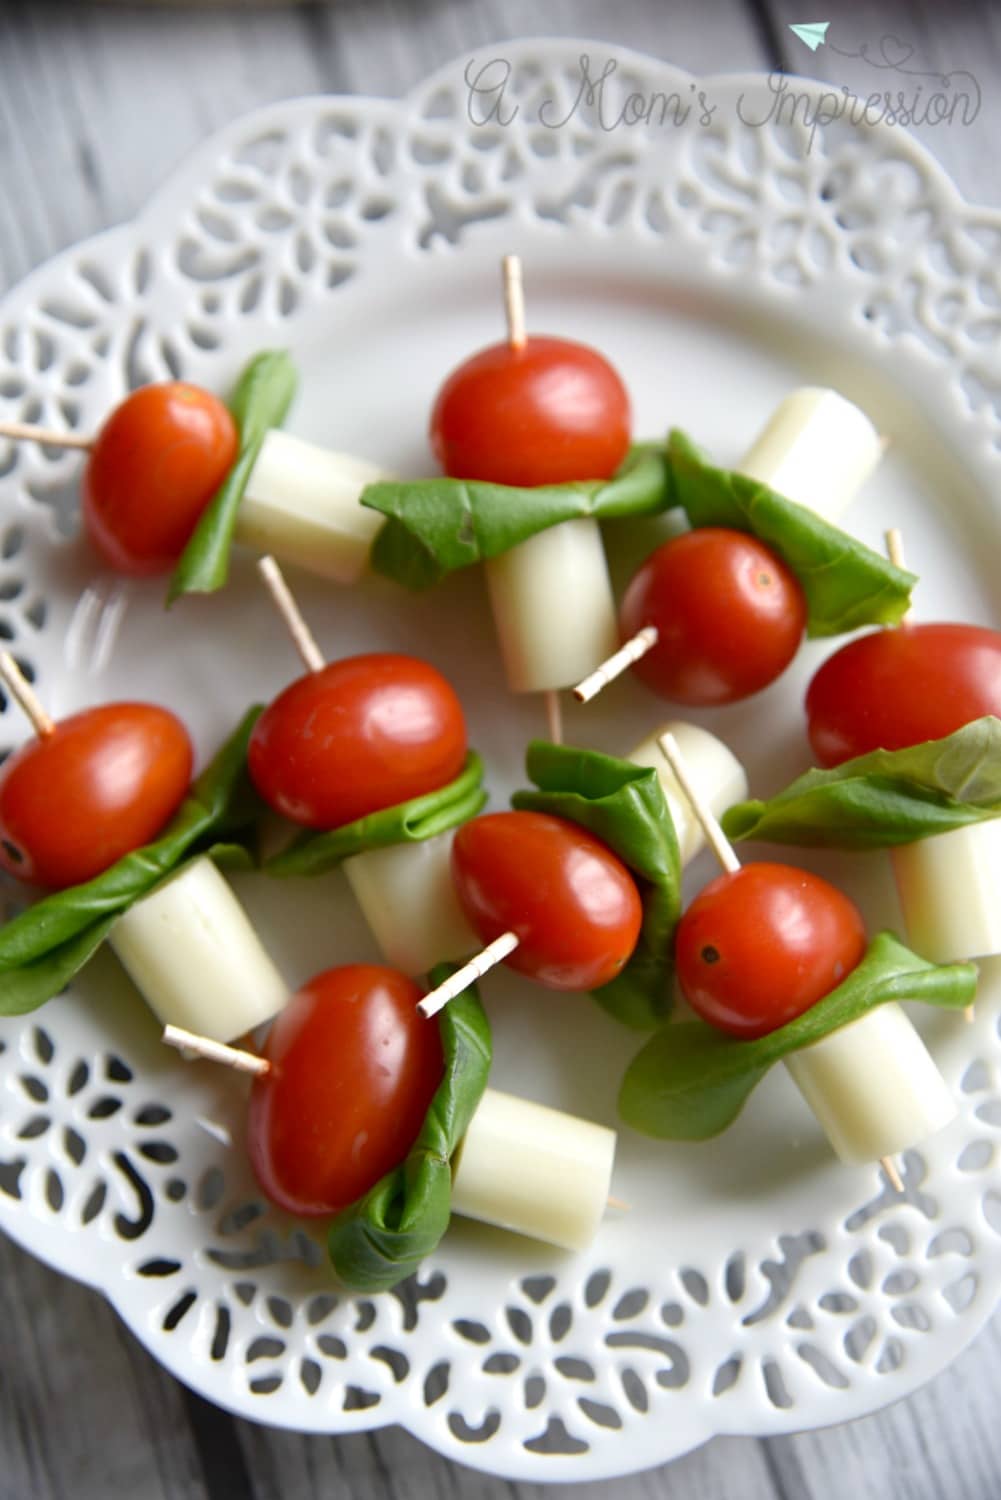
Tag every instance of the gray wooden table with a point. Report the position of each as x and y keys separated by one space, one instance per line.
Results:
x=97 y=104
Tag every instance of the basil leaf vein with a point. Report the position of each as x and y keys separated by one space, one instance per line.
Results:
x=45 y=945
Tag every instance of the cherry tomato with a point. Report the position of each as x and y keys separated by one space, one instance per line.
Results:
x=103 y=783
x=572 y=903
x=757 y=948
x=729 y=617
x=154 y=466
x=895 y=688
x=546 y=413
x=354 y=1066
x=362 y=734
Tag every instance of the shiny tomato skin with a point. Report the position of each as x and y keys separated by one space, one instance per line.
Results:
x=103 y=783
x=895 y=688
x=757 y=948
x=154 y=466
x=729 y=617
x=546 y=413
x=571 y=902
x=354 y=1066
x=365 y=733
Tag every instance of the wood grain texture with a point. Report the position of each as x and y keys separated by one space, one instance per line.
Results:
x=947 y=39
x=97 y=104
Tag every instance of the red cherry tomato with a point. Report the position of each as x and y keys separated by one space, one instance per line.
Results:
x=103 y=783
x=546 y=413
x=572 y=903
x=354 y=1066
x=362 y=734
x=154 y=466
x=757 y=948
x=729 y=617
x=900 y=687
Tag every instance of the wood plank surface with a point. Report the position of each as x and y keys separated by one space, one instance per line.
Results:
x=962 y=41
x=97 y=104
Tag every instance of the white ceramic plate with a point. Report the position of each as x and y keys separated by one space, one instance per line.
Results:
x=756 y=1286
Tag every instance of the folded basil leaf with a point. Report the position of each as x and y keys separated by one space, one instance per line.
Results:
x=623 y=805
x=406 y=823
x=45 y=945
x=885 y=798
x=691 y=1081
x=30 y=985
x=845 y=583
x=260 y=401
x=436 y=526
x=382 y=1238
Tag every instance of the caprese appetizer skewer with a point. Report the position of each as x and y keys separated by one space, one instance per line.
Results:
x=165 y=451
x=354 y=737
x=87 y=793
x=893 y=689
x=713 y=615
x=872 y=1084
x=347 y=1075
x=540 y=411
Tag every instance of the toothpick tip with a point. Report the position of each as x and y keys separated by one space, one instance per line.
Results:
x=891 y=1173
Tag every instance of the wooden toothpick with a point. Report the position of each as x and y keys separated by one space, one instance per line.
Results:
x=27 y=432
x=514 y=312
x=891 y=1173
x=23 y=693
x=634 y=650
x=193 y=1045
x=493 y=953
x=514 y=300
x=302 y=637
x=895 y=552
x=715 y=837
x=554 y=716
x=725 y=853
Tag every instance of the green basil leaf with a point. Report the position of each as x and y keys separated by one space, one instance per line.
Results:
x=846 y=585
x=43 y=947
x=382 y=1238
x=623 y=805
x=436 y=526
x=30 y=985
x=260 y=401
x=885 y=798
x=406 y=823
x=691 y=1081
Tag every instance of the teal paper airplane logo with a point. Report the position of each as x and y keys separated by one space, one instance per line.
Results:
x=813 y=33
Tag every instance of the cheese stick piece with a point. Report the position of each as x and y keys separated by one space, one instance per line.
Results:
x=535 y=1170
x=716 y=772
x=190 y=948
x=553 y=607
x=873 y=1086
x=950 y=892
x=816 y=449
x=408 y=899
x=301 y=505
